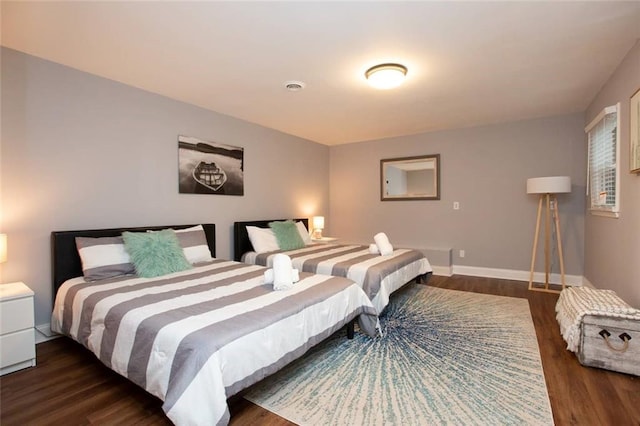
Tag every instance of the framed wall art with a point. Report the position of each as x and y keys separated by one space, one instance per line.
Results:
x=634 y=134
x=206 y=167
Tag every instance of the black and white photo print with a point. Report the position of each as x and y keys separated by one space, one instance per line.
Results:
x=209 y=167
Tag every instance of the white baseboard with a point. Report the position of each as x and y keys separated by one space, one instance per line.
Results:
x=515 y=275
x=44 y=333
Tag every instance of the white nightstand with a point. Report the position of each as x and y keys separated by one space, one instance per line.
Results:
x=324 y=240
x=17 y=335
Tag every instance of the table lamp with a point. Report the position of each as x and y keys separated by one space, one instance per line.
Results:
x=318 y=226
x=3 y=248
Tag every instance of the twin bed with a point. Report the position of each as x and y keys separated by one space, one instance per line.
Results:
x=379 y=276
x=194 y=338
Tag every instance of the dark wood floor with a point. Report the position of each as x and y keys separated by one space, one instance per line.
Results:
x=70 y=387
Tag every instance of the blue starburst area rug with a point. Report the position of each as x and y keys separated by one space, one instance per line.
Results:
x=446 y=358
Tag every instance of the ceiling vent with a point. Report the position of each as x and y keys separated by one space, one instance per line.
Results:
x=294 y=86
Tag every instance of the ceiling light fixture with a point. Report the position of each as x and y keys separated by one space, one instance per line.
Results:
x=386 y=76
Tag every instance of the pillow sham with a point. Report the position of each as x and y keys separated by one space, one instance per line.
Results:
x=155 y=253
x=194 y=244
x=287 y=235
x=304 y=233
x=103 y=257
x=262 y=239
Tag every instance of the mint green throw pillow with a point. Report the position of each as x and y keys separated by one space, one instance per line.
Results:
x=155 y=253
x=287 y=235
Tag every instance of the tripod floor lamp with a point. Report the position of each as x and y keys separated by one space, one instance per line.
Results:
x=547 y=188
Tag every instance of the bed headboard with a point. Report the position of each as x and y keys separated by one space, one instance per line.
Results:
x=241 y=242
x=64 y=254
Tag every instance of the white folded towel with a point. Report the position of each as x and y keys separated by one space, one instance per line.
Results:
x=383 y=243
x=268 y=276
x=283 y=273
x=373 y=249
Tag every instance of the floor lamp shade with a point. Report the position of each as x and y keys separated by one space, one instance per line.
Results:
x=549 y=185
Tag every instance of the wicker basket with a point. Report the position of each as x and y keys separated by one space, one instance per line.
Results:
x=610 y=343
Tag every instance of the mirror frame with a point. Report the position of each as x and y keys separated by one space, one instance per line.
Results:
x=386 y=161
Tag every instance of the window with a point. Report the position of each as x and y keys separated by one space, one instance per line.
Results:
x=603 y=171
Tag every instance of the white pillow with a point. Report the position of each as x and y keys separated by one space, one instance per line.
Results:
x=194 y=244
x=262 y=239
x=103 y=257
x=304 y=233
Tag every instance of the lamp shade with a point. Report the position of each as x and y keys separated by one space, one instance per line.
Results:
x=3 y=248
x=549 y=185
x=318 y=222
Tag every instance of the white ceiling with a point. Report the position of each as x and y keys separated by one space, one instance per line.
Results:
x=470 y=63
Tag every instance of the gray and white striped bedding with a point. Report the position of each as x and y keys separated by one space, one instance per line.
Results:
x=379 y=276
x=196 y=337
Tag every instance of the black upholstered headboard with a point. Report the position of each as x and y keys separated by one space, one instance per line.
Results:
x=64 y=254
x=241 y=242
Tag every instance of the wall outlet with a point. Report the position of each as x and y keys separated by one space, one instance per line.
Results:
x=461 y=253
x=456 y=205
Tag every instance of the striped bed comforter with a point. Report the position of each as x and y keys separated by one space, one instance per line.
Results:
x=379 y=276
x=196 y=337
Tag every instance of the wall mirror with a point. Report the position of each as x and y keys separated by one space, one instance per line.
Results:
x=410 y=178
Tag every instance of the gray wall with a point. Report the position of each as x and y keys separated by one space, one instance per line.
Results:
x=612 y=246
x=485 y=169
x=80 y=152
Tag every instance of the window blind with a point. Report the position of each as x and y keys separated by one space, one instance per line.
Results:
x=604 y=160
